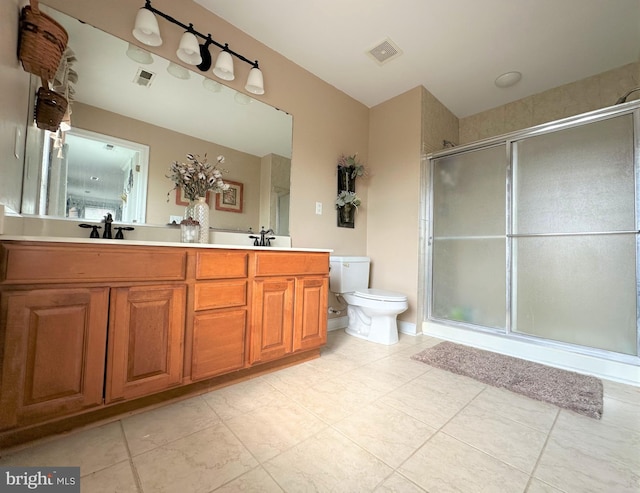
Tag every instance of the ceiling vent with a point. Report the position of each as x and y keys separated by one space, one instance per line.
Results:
x=385 y=51
x=144 y=78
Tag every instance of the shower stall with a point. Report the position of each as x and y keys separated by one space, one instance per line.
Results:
x=532 y=241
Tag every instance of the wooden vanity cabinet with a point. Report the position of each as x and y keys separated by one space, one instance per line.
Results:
x=310 y=312
x=290 y=294
x=71 y=314
x=146 y=333
x=53 y=350
x=90 y=329
x=220 y=313
x=272 y=323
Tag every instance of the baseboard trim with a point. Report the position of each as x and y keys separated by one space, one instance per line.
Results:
x=337 y=323
x=408 y=328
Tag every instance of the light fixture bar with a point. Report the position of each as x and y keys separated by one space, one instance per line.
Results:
x=208 y=37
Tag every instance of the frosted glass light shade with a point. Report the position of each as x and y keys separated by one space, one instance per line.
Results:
x=242 y=98
x=189 y=49
x=139 y=55
x=178 y=71
x=255 y=81
x=224 y=66
x=211 y=85
x=146 y=28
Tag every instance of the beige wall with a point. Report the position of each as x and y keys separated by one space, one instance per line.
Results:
x=578 y=97
x=394 y=196
x=14 y=98
x=402 y=131
x=167 y=146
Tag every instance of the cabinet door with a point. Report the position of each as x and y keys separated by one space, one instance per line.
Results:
x=310 y=324
x=218 y=342
x=146 y=331
x=54 y=345
x=272 y=318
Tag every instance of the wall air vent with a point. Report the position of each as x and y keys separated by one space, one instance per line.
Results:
x=144 y=78
x=385 y=51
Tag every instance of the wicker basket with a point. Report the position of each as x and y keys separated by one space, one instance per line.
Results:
x=50 y=109
x=42 y=42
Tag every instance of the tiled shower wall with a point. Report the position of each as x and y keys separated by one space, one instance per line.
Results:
x=585 y=95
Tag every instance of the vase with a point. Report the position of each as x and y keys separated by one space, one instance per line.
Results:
x=188 y=210
x=201 y=214
x=346 y=212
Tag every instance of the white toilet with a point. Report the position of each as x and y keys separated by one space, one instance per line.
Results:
x=372 y=312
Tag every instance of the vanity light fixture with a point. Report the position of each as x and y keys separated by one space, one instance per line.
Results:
x=255 y=82
x=178 y=71
x=146 y=28
x=211 y=85
x=139 y=55
x=224 y=66
x=189 y=49
x=146 y=31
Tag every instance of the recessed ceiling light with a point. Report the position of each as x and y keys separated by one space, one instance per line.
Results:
x=508 y=79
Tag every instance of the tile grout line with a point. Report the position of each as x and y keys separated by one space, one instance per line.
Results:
x=134 y=469
x=542 y=450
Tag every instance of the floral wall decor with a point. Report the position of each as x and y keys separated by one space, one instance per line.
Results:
x=347 y=202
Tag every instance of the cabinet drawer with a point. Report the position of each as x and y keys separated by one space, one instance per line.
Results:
x=91 y=263
x=221 y=265
x=285 y=263
x=220 y=294
x=218 y=343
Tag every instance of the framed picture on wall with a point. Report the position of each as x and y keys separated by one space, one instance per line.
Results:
x=181 y=199
x=230 y=200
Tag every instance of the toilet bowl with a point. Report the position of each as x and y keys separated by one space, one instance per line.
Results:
x=372 y=314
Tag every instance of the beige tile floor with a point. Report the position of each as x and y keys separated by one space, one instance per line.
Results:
x=363 y=417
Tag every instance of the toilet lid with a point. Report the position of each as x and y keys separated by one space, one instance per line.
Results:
x=379 y=294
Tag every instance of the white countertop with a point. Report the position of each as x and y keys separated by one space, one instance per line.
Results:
x=102 y=241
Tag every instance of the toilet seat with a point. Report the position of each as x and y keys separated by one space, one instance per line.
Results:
x=379 y=295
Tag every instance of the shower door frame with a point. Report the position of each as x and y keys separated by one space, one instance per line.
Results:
x=427 y=230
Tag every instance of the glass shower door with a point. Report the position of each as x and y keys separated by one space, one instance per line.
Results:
x=574 y=238
x=468 y=273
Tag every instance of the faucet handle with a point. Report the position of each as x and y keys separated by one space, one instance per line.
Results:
x=119 y=235
x=94 y=231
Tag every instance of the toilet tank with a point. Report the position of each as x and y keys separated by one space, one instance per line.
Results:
x=348 y=274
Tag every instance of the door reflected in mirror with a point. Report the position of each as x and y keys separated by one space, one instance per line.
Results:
x=131 y=102
x=91 y=175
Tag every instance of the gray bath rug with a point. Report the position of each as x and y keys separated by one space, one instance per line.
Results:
x=569 y=390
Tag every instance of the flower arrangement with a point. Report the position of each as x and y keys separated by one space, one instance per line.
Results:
x=351 y=166
x=347 y=198
x=197 y=176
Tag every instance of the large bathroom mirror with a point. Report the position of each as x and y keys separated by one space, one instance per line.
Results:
x=132 y=114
